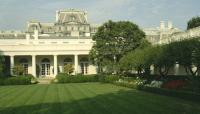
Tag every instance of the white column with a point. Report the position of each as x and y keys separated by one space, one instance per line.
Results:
x=34 y=65
x=176 y=69
x=55 y=65
x=11 y=64
x=75 y=64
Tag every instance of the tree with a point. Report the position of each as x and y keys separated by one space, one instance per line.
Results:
x=187 y=53
x=68 y=68
x=194 y=22
x=113 y=40
x=140 y=60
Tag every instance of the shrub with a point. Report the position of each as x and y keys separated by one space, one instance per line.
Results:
x=18 y=70
x=68 y=68
x=17 y=80
x=65 y=78
x=110 y=78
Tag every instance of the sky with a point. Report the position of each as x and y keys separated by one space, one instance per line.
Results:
x=14 y=14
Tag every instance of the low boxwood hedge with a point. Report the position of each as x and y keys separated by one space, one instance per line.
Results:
x=108 y=78
x=16 y=80
x=64 y=78
x=79 y=78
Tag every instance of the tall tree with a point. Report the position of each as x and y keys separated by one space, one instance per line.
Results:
x=113 y=40
x=194 y=22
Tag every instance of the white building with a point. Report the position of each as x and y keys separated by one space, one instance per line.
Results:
x=44 y=48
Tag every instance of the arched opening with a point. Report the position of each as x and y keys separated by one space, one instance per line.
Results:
x=24 y=63
x=67 y=61
x=67 y=64
x=45 y=67
x=84 y=63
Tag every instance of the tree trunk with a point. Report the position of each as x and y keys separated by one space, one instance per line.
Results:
x=165 y=72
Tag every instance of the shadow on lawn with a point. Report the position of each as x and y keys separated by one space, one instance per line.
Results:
x=122 y=102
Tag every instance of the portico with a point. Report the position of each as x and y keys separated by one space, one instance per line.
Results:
x=51 y=65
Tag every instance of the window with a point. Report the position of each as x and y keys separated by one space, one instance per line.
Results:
x=67 y=61
x=45 y=60
x=24 y=63
x=45 y=65
x=84 y=65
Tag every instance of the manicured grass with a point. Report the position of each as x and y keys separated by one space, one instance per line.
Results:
x=88 y=98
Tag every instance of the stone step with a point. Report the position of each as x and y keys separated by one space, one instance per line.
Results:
x=44 y=80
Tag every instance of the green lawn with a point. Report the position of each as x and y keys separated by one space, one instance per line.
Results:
x=88 y=98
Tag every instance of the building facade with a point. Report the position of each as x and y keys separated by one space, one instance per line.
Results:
x=44 y=48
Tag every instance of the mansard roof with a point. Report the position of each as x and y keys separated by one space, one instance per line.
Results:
x=71 y=15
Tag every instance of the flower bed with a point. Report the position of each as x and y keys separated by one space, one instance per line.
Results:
x=175 y=84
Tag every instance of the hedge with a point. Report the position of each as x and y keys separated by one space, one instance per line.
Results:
x=174 y=93
x=18 y=80
x=65 y=78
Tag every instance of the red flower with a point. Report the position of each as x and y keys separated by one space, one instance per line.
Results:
x=175 y=84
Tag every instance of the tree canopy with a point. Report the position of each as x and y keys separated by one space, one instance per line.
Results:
x=194 y=22
x=185 y=53
x=113 y=40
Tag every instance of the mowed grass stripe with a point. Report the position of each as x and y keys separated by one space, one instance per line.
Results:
x=22 y=99
x=6 y=101
x=50 y=102
x=141 y=99
x=89 y=98
x=5 y=89
x=33 y=105
x=77 y=97
x=123 y=101
x=67 y=103
x=116 y=106
x=94 y=107
x=8 y=90
x=72 y=105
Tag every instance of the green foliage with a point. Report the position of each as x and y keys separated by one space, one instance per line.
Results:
x=68 y=68
x=65 y=78
x=113 y=40
x=109 y=78
x=18 y=70
x=19 y=80
x=186 y=53
x=194 y=22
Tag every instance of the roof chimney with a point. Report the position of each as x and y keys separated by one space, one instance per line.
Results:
x=170 y=25
x=162 y=25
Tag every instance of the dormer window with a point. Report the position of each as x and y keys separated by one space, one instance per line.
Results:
x=72 y=18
